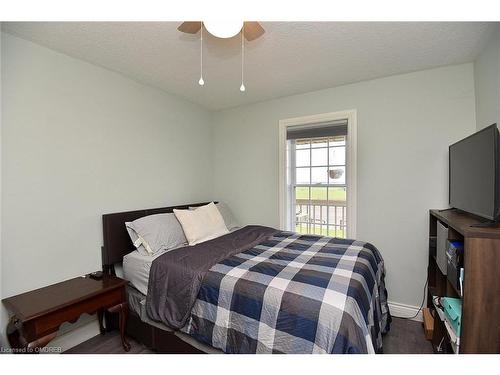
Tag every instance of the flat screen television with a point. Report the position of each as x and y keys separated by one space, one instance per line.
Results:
x=474 y=174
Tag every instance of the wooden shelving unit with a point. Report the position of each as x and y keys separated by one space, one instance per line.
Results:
x=480 y=332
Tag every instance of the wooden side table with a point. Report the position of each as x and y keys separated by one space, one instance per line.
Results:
x=37 y=315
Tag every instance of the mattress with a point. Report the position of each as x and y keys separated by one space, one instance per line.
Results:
x=136 y=269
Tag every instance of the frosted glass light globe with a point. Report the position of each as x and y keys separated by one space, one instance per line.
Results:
x=223 y=29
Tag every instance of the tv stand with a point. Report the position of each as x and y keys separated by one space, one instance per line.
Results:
x=480 y=332
x=485 y=224
x=447 y=209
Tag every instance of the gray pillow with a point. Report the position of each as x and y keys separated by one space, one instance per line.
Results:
x=228 y=217
x=226 y=214
x=135 y=239
x=156 y=233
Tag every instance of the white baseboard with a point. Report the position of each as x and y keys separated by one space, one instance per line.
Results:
x=400 y=310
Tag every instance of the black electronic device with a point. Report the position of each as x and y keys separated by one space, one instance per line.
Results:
x=454 y=258
x=474 y=174
x=97 y=275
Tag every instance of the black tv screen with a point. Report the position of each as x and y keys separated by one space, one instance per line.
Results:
x=474 y=178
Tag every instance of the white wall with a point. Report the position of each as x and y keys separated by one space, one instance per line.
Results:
x=79 y=141
x=405 y=124
x=487 y=80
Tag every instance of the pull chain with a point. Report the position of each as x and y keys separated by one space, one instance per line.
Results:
x=242 y=87
x=201 y=82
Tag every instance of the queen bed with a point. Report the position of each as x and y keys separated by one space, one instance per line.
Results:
x=254 y=289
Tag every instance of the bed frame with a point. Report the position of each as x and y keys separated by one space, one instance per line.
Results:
x=117 y=244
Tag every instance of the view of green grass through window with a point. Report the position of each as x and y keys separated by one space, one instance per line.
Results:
x=320 y=186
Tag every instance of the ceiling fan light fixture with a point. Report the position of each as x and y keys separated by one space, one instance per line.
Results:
x=223 y=29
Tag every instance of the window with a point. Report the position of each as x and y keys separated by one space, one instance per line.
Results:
x=317 y=195
x=319 y=190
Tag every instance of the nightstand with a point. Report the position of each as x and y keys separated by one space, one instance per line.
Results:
x=38 y=314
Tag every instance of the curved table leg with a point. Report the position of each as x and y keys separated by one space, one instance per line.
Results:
x=122 y=310
x=19 y=343
x=14 y=334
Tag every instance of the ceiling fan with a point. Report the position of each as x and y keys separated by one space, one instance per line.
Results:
x=251 y=30
x=223 y=29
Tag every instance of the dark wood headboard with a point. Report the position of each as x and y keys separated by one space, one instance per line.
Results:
x=117 y=242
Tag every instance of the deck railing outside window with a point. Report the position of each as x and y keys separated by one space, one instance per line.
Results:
x=312 y=218
x=320 y=189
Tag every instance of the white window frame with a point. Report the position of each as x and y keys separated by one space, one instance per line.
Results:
x=351 y=163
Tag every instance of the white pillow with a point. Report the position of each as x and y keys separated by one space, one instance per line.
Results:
x=202 y=224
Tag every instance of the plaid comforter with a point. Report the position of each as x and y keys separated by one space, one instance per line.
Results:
x=294 y=293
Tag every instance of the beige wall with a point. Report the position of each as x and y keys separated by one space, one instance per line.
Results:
x=405 y=124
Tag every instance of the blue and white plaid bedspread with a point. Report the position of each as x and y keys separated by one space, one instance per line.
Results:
x=294 y=293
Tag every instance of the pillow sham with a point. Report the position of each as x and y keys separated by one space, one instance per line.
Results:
x=203 y=224
x=155 y=233
x=135 y=239
x=227 y=216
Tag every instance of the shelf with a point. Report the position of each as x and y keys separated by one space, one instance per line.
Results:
x=481 y=260
x=464 y=223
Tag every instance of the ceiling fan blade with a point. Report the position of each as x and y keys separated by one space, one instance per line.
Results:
x=190 y=27
x=253 y=30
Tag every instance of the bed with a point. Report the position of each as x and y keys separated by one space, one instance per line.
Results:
x=254 y=290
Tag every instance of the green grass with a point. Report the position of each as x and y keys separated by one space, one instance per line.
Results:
x=320 y=231
x=319 y=193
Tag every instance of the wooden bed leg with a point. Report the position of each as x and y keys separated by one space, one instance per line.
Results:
x=100 y=318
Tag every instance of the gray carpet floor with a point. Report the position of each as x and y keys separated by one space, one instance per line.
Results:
x=405 y=337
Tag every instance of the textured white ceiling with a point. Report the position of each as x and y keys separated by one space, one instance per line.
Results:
x=291 y=57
